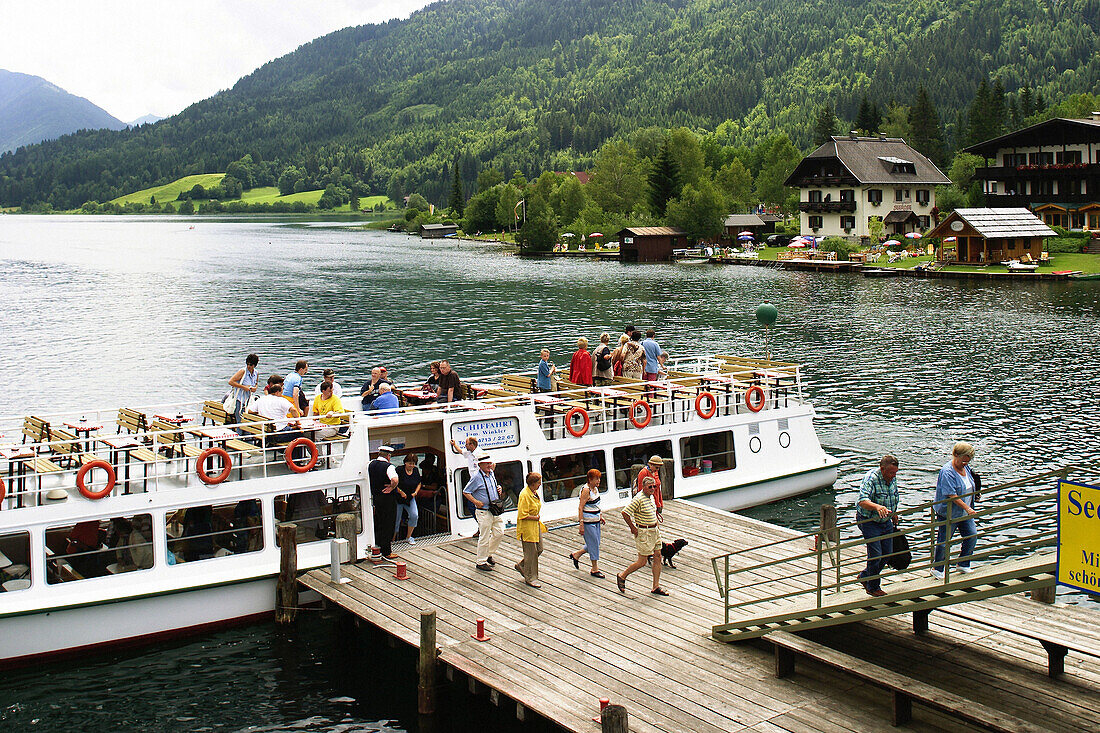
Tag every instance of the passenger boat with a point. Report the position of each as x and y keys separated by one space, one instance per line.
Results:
x=133 y=524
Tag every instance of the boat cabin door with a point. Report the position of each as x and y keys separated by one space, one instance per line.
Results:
x=500 y=437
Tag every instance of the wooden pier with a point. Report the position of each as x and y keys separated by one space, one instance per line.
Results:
x=555 y=651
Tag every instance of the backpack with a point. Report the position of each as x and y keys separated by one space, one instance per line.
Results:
x=603 y=359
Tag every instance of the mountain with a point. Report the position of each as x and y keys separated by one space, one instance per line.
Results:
x=144 y=120
x=32 y=110
x=535 y=85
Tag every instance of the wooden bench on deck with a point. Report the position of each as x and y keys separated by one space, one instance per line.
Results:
x=173 y=442
x=215 y=413
x=517 y=383
x=131 y=421
x=37 y=430
x=905 y=690
x=70 y=448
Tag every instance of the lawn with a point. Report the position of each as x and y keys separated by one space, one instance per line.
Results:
x=170 y=191
x=1058 y=262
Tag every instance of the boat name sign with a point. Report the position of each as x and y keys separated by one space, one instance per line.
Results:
x=500 y=433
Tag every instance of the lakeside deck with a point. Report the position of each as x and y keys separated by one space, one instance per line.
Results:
x=555 y=651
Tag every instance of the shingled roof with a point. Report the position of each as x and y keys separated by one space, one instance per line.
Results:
x=870 y=160
x=743 y=220
x=998 y=223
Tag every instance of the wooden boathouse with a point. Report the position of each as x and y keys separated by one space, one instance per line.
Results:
x=554 y=652
x=985 y=236
x=650 y=244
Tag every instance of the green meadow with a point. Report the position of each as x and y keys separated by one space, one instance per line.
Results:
x=170 y=191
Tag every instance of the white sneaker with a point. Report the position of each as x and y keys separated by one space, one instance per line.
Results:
x=965 y=569
x=936 y=573
x=412 y=540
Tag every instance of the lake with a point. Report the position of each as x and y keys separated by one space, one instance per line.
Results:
x=109 y=311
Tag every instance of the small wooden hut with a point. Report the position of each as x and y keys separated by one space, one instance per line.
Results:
x=983 y=236
x=650 y=244
x=437 y=231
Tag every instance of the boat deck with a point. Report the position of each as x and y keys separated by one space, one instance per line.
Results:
x=556 y=650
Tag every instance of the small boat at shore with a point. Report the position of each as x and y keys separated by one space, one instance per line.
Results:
x=882 y=272
x=133 y=524
x=1084 y=276
x=692 y=261
x=1017 y=266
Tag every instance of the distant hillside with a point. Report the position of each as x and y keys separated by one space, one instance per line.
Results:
x=144 y=120
x=535 y=85
x=33 y=110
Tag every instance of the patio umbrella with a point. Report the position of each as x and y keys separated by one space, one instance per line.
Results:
x=594 y=234
x=950 y=239
x=913 y=235
x=891 y=242
x=569 y=234
x=744 y=233
x=745 y=237
x=796 y=245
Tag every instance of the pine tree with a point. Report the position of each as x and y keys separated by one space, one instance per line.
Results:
x=457 y=203
x=926 y=131
x=1013 y=117
x=664 y=180
x=978 y=122
x=867 y=119
x=825 y=124
x=997 y=110
x=1040 y=103
x=1027 y=103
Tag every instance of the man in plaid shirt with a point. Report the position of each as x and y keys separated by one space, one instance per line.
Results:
x=876 y=513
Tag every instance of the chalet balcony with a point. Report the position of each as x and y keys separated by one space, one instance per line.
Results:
x=826 y=207
x=1013 y=200
x=1052 y=170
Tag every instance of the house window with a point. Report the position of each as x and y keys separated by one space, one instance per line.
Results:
x=922 y=196
x=814 y=197
x=993 y=187
x=924 y=222
x=564 y=476
x=815 y=222
x=203 y=532
x=847 y=222
x=16 y=547
x=708 y=453
x=98 y=548
x=847 y=194
x=898 y=195
x=1040 y=158
x=874 y=195
x=314 y=512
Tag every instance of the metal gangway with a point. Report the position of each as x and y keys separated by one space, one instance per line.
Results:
x=811 y=580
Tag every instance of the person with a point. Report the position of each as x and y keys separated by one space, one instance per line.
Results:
x=529 y=529
x=876 y=514
x=954 y=496
x=383 y=483
x=432 y=385
x=371 y=389
x=591 y=523
x=468 y=451
x=654 y=356
x=653 y=470
x=634 y=357
x=282 y=415
x=450 y=386
x=386 y=403
x=408 y=487
x=480 y=490
x=329 y=410
x=292 y=385
x=641 y=516
x=544 y=381
x=329 y=375
x=629 y=331
x=617 y=356
x=245 y=381
x=602 y=370
x=580 y=366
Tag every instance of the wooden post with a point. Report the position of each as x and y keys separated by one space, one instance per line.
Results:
x=345 y=529
x=425 y=688
x=1044 y=594
x=286 y=587
x=614 y=720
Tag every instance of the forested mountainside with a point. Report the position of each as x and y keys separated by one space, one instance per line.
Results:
x=539 y=84
x=32 y=110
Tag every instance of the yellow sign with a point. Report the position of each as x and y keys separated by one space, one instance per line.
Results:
x=1079 y=536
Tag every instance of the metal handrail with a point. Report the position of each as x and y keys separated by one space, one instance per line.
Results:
x=808 y=569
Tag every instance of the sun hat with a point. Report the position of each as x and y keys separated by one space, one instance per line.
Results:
x=482 y=456
x=657 y=460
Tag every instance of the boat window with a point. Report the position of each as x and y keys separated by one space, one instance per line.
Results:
x=564 y=476
x=314 y=512
x=630 y=459
x=510 y=477
x=99 y=547
x=707 y=453
x=15 y=561
x=214 y=530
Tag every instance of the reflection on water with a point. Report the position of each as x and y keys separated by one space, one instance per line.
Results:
x=118 y=311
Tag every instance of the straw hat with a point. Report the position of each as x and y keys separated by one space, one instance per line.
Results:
x=656 y=461
x=57 y=494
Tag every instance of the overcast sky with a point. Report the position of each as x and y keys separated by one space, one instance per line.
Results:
x=135 y=57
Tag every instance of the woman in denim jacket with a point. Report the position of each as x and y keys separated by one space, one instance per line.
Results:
x=955 y=489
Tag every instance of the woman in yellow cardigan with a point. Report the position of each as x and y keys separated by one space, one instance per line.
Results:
x=529 y=529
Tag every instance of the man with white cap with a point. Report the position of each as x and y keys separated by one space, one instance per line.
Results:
x=383 y=480
x=483 y=492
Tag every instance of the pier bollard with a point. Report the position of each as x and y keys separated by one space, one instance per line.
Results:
x=402 y=572
x=338 y=553
x=604 y=702
x=613 y=719
x=375 y=554
x=286 y=587
x=345 y=529
x=481 y=635
x=425 y=686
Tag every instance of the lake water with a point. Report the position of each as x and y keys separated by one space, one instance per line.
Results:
x=105 y=311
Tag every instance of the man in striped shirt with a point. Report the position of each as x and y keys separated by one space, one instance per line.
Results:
x=641 y=516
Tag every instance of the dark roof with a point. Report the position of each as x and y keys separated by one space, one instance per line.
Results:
x=653 y=232
x=438 y=227
x=770 y=217
x=1000 y=223
x=869 y=160
x=743 y=220
x=898 y=216
x=1055 y=131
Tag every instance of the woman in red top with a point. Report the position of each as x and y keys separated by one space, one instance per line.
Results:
x=580 y=367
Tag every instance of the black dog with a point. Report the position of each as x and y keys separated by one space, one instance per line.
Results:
x=669 y=550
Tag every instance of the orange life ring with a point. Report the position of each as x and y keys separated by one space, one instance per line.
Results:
x=227 y=466
x=83 y=473
x=569 y=422
x=646 y=409
x=757 y=390
x=289 y=454
x=706 y=414
x=2 y=488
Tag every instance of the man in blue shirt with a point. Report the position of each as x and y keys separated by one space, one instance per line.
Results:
x=876 y=513
x=386 y=403
x=654 y=356
x=481 y=490
x=546 y=371
x=292 y=386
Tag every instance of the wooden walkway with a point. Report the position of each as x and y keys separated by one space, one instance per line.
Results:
x=556 y=650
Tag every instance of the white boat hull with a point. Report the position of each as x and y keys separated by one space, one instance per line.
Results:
x=736 y=498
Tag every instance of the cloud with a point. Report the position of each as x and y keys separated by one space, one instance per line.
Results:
x=135 y=57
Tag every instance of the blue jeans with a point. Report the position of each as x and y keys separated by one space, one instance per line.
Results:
x=967 y=530
x=877 y=549
x=410 y=510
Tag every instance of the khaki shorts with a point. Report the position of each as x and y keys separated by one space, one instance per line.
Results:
x=648 y=541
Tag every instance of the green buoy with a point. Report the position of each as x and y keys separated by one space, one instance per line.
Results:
x=767 y=314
